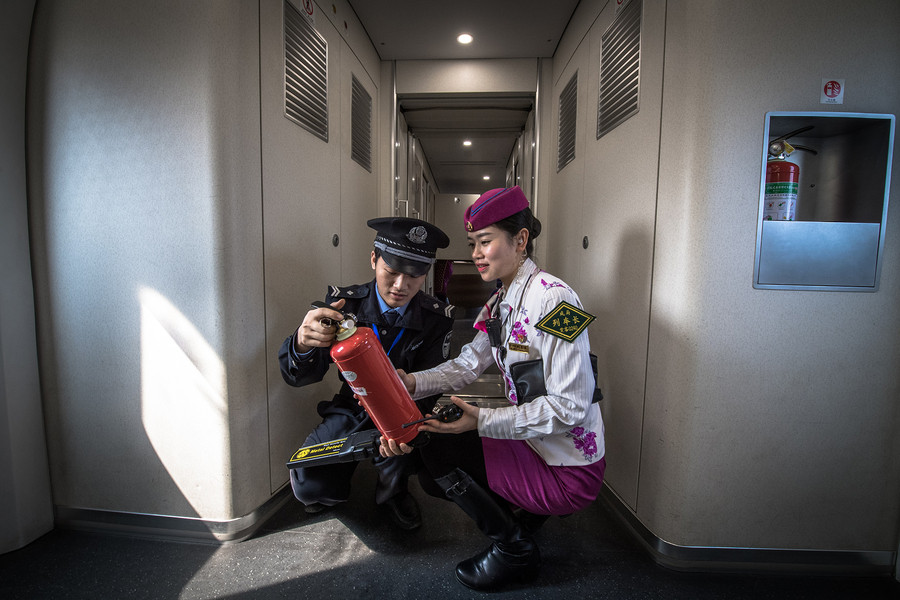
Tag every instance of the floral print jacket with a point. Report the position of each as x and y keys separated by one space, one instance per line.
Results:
x=563 y=427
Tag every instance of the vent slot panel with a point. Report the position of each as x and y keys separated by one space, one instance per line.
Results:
x=568 y=107
x=305 y=73
x=620 y=70
x=361 y=125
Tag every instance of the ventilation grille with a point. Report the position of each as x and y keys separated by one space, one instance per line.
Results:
x=305 y=73
x=361 y=129
x=620 y=69
x=568 y=107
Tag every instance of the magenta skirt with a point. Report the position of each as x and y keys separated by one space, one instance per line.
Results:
x=518 y=474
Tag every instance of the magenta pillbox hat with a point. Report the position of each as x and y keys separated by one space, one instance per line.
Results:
x=495 y=205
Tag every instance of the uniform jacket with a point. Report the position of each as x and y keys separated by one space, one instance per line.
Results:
x=564 y=427
x=427 y=325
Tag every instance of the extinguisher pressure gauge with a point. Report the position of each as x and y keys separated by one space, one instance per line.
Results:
x=779 y=148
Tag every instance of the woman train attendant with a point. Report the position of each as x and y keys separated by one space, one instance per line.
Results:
x=510 y=467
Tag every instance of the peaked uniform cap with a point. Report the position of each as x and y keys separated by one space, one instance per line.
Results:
x=408 y=245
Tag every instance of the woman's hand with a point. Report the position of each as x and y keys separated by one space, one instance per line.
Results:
x=408 y=380
x=467 y=422
x=312 y=333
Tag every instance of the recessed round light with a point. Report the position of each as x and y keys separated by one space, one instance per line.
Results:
x=486 y=177
x=464 y=38
x=467 y=142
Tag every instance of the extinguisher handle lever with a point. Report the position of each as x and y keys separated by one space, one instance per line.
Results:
x=331 y=322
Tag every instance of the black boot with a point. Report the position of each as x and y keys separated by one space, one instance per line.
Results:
x=512 y=558
x=529 y=522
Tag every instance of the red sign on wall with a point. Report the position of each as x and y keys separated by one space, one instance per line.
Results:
x=832 y=91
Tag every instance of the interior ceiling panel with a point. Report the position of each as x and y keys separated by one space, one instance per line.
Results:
x=420 y=29
x=491 y=124
x=427 y=29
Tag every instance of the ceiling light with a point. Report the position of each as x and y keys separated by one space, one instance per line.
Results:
x=464 y=38
x=486 y=177
x=467 y=142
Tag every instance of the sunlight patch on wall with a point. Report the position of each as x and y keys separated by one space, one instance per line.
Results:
x=183 y=405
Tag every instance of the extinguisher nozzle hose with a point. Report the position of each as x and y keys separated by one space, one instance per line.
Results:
x=445 y=414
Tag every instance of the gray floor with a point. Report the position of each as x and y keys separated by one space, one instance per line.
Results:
x=353 y=552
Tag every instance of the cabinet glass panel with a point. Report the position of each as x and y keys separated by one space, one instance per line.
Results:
x=823 y=201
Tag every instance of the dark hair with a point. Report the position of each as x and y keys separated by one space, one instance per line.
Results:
x=524 y=219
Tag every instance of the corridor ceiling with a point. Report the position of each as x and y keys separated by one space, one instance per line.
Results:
x=427 y=29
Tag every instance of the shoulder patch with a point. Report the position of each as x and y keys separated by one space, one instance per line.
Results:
x=565 y=321
x=351 y=291
x=432 y=304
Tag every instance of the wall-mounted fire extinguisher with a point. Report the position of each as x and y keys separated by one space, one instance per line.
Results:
x=782 y=186
x=782 y=179
x=370 y=374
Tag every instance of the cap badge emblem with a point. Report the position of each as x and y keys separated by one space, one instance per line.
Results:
x=417 y=235
x=469 y=226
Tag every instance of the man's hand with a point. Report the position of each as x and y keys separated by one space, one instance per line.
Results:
x=391 y=448
x=312 y=333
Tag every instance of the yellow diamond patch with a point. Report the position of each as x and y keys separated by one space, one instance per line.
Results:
x=565 y=321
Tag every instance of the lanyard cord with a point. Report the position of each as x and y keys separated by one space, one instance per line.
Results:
x=500 y=355
x=396 y=339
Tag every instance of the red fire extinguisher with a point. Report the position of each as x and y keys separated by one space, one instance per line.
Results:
x=370 y=374
x=782 y=187
x=782 y=184
x=783 y=178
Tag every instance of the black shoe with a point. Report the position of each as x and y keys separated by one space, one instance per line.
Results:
x=405 y=511
x=314 y=508
x=501 y=565
x=512 y=558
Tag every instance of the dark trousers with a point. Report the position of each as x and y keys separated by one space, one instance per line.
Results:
x=330 y=484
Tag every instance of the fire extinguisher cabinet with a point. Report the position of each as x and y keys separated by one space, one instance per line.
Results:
x=833 y=171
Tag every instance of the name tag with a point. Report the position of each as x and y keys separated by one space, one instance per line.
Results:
x=518 y=347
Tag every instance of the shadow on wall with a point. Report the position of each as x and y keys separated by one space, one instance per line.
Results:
x=624 y=335
x=289 y=295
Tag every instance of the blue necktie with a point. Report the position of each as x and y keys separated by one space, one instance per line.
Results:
x=390 y=317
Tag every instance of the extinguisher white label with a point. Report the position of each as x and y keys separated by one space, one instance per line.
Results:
x=780 y=201
x=359 y=391
x=349 y=376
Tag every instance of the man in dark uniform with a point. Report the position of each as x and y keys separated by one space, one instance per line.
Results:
x=414 y=329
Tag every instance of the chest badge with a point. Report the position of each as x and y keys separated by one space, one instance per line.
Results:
x=445 y=347
x=518 y=347
x=565 y=321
